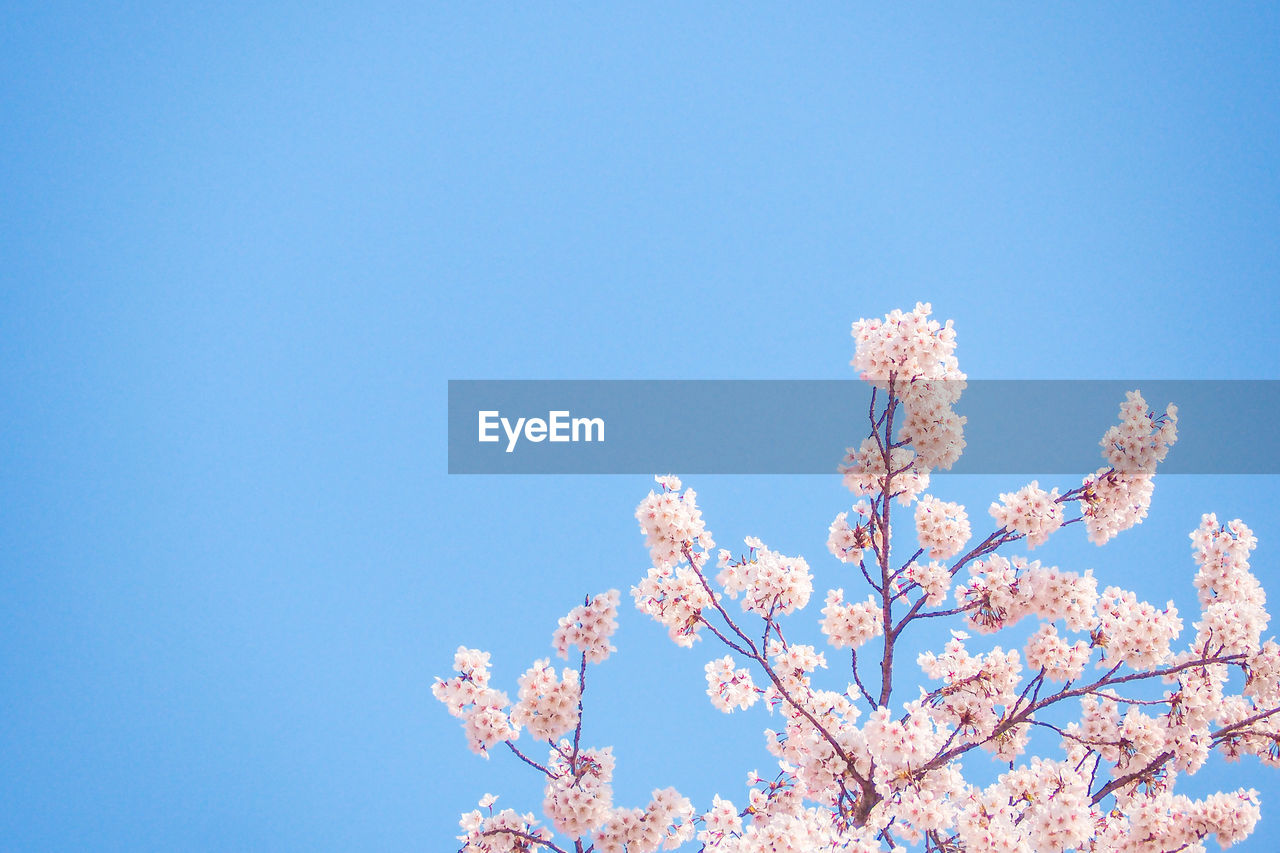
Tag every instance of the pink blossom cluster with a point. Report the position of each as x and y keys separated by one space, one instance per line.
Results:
x=1233 y=616
x=933 y=578
x=769 y=582
x=864 y=471
x=672 y=523
x=913 y=357
x=905 y=345
x=1003 y=591
x=1131 y=741
x=676 y=597
x=1232 y=601
x=1165 y=821
x=935 y=431
x=578 y=796
x=470 y=686
x=792 y=664
x=1142 y=439
x=922 y=802
x=1051 y=593
x=1060 y=660
x=847 y=544
x=674 y=592
x=811 y=762
x=666 y=823
x=993 y=595
x=504 y=832
x=588 y=627
x=547 y=706
x=1135 y=632
x=1118 y=497
x=720 y=823
x=728 y=686
x=1031 y=511
x=847 y=626
x=1114 y=503
x=1263 y=671
x=976 y=689
x=942 y=527
x=578 y=793
x=896 y=744
x=481 y=708
x=1254 y=730
x=1043 y=806
x=781 y=820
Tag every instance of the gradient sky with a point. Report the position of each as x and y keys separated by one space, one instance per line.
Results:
x=243 y=247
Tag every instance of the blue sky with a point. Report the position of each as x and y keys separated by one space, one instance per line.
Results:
x=243 y=247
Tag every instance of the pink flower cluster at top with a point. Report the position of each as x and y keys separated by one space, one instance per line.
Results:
x=908 y=346
x=1119 y=496
x=912 y=358
x=672 y=523
x=588 y=627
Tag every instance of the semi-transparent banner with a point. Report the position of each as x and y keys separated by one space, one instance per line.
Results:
x=805 y=426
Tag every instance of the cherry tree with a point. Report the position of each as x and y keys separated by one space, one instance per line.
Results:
x=1129 y=698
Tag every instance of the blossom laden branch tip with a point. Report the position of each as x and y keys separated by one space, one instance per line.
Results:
x=1091 y=719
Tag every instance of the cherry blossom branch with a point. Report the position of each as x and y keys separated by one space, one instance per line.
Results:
x=863 y=566
x=715 y=601
x=886 y=599
x=1159 y=761
x=1127 y=700
x=577 y=730
x=1023 y=716
x=866 y=694
x=526 y=759
x=725 y=639
x=931 y=614
x=978 y=704
x=1137 y=775
x=524 y=836
x=987 y=546
x=763 y=661
x=908 y=563
x=1033 y=687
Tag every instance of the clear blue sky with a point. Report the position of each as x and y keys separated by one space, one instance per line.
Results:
x=243 y=247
